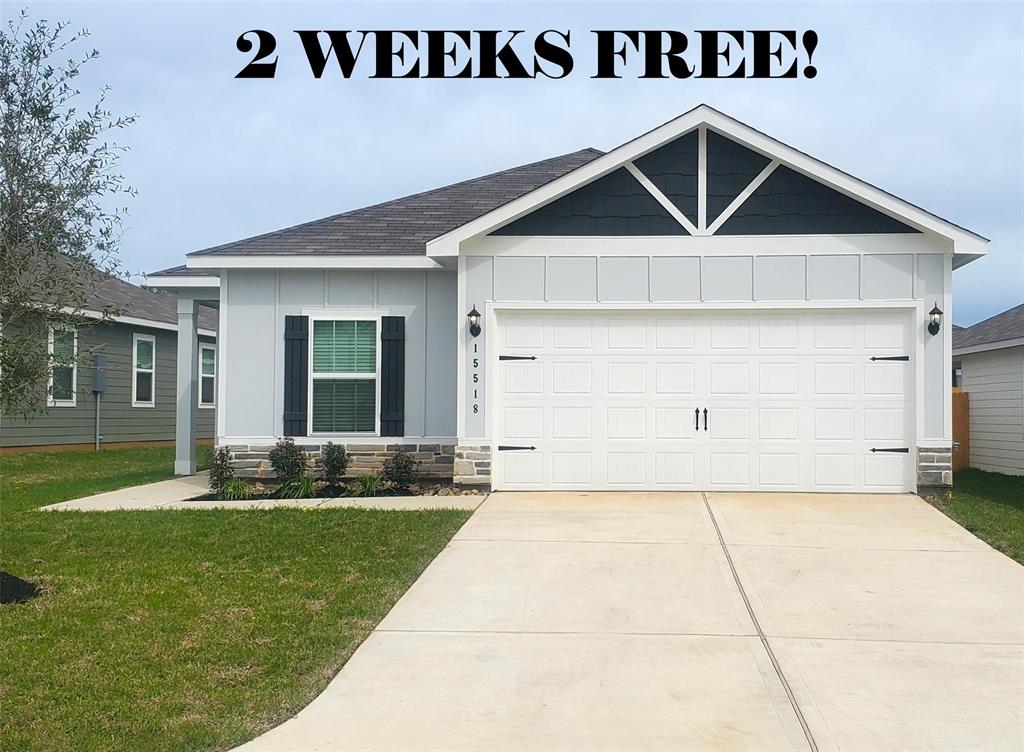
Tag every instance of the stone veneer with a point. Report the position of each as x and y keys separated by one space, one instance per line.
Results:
x=472 y=465
x=436 y=460
x=934 y=466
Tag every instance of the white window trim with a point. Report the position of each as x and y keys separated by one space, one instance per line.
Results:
x=136 y=338
x=50 y=401
x=199 y=390
x=343 y=316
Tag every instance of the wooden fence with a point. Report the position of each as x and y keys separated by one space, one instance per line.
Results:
x=961 y=429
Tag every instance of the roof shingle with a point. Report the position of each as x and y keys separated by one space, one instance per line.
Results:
x=1003 y=326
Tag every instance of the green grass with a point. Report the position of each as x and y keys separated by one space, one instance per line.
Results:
x=182 y=630
x=991 y=506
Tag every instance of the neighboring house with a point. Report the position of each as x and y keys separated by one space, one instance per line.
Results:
x=990 y=358
x=139 y=402
x=702 y=307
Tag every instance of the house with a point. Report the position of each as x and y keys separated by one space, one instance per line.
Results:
x=702 y=307
x=139 y=401
x=990 y=359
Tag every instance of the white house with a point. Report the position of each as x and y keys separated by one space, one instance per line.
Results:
x=702 y=307
x=990 y=358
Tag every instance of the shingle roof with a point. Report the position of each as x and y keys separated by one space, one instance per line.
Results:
x=181 y=271
x=1003 y=326
x=403 y=226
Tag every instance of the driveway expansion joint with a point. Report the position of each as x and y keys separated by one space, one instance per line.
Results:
x=811 y=743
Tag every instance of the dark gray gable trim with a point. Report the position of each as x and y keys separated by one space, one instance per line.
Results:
x=730 y=168
x=392 y=376
x=673 y=169
x=615 y=204
x=790 y=203
x=296 y=375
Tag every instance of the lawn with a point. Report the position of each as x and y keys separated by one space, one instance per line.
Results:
x=991 y=506
x=182 y=630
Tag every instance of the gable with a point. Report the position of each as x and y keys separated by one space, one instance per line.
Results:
x=705 y=181
x=616 y=204
x=788 y=203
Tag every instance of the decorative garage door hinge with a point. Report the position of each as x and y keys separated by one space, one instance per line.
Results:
x=890 y=357
x=507 y=448
x=517 y=357
x=900 y=450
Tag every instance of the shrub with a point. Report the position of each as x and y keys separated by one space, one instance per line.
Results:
x=288 y=461
x=400 y=469
x=221 y=472
x=334 y=460
x=236 y=489
x=367 y=485
x=303 y=487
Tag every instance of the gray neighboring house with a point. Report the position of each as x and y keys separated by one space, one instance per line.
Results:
x=989 y=358
x=139 y=404
x=702 y=307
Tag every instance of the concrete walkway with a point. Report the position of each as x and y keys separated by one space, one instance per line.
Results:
x=689 y=622
x=180 y=493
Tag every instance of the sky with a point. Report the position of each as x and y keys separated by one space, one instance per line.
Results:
x=925 y=100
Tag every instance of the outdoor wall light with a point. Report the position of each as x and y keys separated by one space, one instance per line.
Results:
x=474 y=322
x=934 y=320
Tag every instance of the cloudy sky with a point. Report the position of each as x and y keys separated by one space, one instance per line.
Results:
x=923 y=100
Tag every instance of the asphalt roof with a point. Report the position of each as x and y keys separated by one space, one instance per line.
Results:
x=182 y=271
x=138 y=302
x=403 y=226
x=1003 y=326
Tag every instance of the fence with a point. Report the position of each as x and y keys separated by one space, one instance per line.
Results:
x=961 y=429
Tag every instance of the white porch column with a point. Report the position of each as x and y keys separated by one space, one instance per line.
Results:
x=188 y=376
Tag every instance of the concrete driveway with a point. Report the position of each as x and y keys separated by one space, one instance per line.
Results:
x=690 y=622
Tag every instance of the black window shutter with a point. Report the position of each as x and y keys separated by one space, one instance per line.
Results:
x=392 y=376
x=296 y=375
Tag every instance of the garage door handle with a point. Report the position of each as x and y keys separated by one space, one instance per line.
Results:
x=705 y=419
x=507 y=448
x=899 y=450
x=517 y=357
x=696 y=419
x=890 y=357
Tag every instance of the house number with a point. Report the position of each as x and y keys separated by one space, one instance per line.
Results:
x=476 y=378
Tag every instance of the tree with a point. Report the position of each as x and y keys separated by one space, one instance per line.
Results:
x=59 y=228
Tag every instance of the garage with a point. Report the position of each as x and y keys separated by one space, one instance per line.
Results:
x=760 y=399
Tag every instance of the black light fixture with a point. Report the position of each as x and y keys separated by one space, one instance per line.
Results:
x=474 y=322
x=934 y=320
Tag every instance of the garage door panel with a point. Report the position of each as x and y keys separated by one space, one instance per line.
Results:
x=793 y=401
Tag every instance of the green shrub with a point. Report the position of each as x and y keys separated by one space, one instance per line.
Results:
x=288 y=461
x=367 y=485
x=221 y=472
x=303 y=487
x=334 y=460
x=400 y=470
x=236 y=489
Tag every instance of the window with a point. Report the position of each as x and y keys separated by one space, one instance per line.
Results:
x=207 y=375
x=63 y=386
x=344 y=376
x=143 y=370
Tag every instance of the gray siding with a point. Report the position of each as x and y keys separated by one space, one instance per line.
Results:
x=119 y=421
x=258 y=301
x=995 y=382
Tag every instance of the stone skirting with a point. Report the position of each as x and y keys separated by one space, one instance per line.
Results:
x=472 y=465
x=934 y=467
x=436 y=460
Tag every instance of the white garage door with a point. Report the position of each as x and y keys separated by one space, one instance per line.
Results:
x=809 y=401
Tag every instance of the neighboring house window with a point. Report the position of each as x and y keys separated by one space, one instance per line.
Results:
x=63 y=386
x=207 y=375
x=344 y=376
x=143 y=370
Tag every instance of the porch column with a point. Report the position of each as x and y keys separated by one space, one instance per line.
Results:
x=188 y=377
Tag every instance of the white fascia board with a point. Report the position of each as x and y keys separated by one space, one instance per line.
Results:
x=165 y=282
x=965 y=241
x=986 y=346
x=134 y=321
x=311 y=262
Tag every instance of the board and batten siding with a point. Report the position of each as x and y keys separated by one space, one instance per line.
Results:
x=252 y=321
x=119 y=421
x=514 y=274
x=994 y=380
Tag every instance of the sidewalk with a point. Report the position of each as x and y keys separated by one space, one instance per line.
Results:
x=180 y=493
